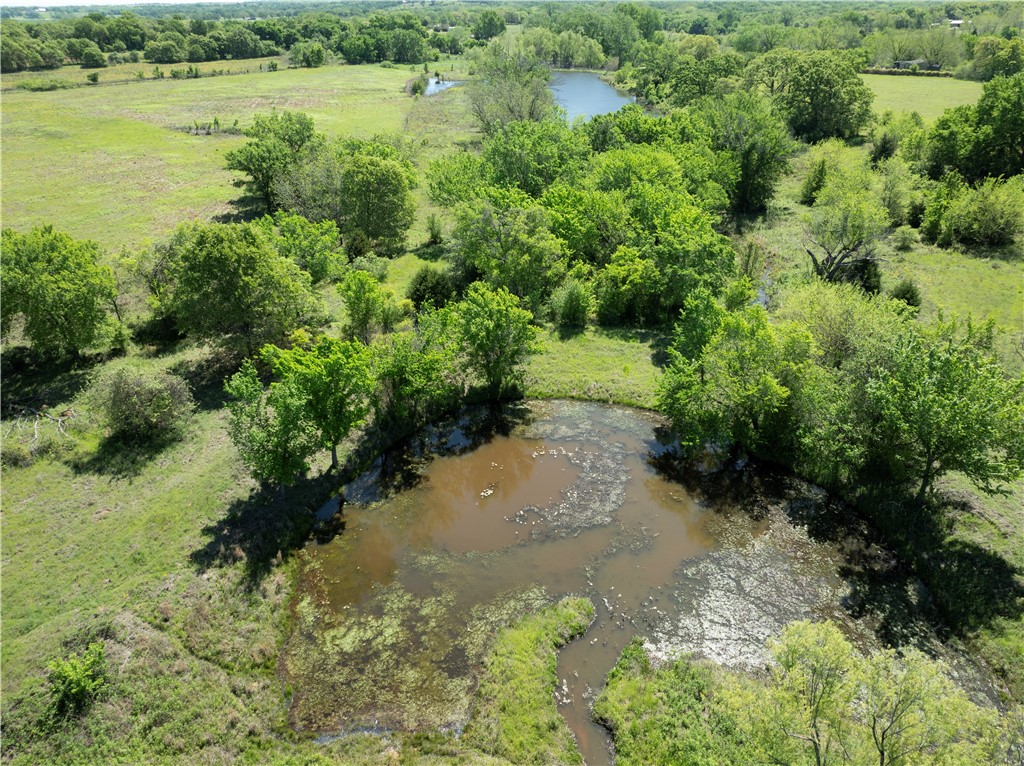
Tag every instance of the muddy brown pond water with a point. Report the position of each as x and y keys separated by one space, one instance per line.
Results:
x=480 y=522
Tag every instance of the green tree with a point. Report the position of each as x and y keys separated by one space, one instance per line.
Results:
x=847 y=222
x=270 y=429
x=509 y=87
x=146 y=407
x=336 y=380
x=531 y=155
x=825 y=97
x=496 y=337
x=228 y=282
x=57 y=284
x=756 y=144
x=488 y=24
x=314 y=247
x=362 y=186
x=370 y=307
x=276 y=140
x=738 y=392
x=507 y=238
x=944 y=404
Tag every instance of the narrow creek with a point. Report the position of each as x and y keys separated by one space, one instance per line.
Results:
x=484 y=520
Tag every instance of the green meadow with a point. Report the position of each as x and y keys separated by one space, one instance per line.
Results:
x=928 y=96
x=118 y=164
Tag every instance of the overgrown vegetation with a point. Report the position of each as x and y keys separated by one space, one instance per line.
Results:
x=690 y=252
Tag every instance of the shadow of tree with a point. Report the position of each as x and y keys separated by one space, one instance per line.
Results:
x=265 y=527
x=246 y=207
x=117 y=459
x=206 y=377
x=907 y=575
x=33 y=380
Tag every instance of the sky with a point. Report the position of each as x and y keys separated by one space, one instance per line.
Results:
x=65 y=3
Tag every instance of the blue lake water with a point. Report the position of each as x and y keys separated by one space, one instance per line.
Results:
x=585 y=94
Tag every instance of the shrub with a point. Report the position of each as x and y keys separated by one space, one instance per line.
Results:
x=814 y=182
x=76 y=681
x=570 y=304
x=904 y=238
x=146 y=407
x=15 y=454
x=992 y=214
x=431 y=285
x=907 y=292
x=435 y=232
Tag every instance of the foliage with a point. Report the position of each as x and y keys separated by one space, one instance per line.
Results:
x=488 y=24
x=990 y=214
x=145 y=407
x=432 y=286
x=531 y=155
x=756 y=144
x=738 y=391
x=847 y=222
x=496 y=337
x=274 y=145
x=77 y=680
x=510 y=87
x=370 y=307
x=58 y=286
x=629 y=290
x=571 y=303
x=825 y=97
x=944 y=405
x=507 y=238
x=984 y=140
x=314 y=247
x=308 y=54
x=362 y=186
x=270 y=429
x=456 y=178
x=418 y=374
x=823 y=703
x=593 y=224
x=335 y=378
x=907 y=291
x=260 y=296
x=904 y=238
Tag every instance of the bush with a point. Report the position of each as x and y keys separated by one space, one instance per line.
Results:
x=570 y=304
x=15 y=454
x=814 y=182
x=435 y=232
x=144 y=407
x=904 y=238
x=76 y=681
x=907 y=292
x=992 y=214
x=431 y=285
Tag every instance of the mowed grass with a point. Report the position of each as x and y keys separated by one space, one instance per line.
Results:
x=928 y=96
x=113 y=164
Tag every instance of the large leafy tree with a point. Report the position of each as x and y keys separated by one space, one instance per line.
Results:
x=363 y=187
x=228 y=282
x=531 y=155
x=275 y=142
x=507 y=238
x=336 y=380
x=496 y=337
x=942 y=405
x=57 y=284
x=271 y=429
x=753 y=137
x=738 y=391
x=825 y=97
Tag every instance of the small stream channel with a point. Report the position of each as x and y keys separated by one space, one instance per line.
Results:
x=476 y=523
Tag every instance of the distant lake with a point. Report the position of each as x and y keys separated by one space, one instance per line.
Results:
x=585 y=94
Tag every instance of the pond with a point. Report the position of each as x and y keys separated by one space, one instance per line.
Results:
x=436 y=85
x=484 y=520
x=585 y=94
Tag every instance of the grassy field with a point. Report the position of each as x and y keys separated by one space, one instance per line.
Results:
x=117 y=165
x=137 y=73
x=928 y=96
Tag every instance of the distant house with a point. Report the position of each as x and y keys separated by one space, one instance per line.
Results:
x=922 y=64
x=956 y=23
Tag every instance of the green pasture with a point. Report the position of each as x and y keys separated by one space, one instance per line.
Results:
x=928 y=96
x=118 y=164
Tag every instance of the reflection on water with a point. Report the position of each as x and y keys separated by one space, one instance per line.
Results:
x=434 y=86
x=394 y=616
x=586 y=95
